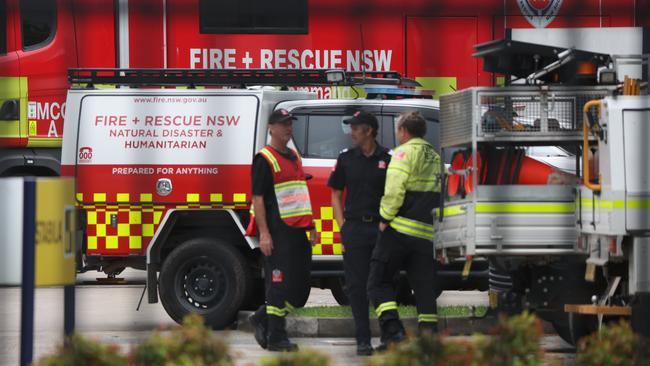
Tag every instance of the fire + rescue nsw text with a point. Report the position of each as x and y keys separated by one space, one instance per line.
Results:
x=164 y=121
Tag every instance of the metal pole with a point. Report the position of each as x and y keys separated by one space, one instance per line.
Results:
x=68 y=309
x=27 y=302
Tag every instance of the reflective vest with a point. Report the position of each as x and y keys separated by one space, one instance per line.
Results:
x=412 y=189
x=290 y=188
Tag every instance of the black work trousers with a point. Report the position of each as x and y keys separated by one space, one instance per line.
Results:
x=359 y=240
x=393 y=252
x=287 y=270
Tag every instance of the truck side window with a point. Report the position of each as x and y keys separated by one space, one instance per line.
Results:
x=432 y=135
x=3 y=27
x=388 y=138
x=300 y=133
x=38 y=22
x=327 y=136
x=253 y=16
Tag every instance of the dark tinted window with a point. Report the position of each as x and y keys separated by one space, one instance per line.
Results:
x=432 y=135
x=253 y=16
x=38 y=21
x=3 y=27
x=388 y=132
x=300 y=133
x=327 y=136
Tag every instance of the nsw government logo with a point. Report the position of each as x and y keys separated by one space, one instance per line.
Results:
x=540 y=13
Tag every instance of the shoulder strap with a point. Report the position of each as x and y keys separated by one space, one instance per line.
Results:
x=268 y=154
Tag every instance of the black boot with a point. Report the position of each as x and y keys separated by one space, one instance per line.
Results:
x=392 y=332
x=364 y=348
x=277 y=339
x=259 y=321
x=427 y=328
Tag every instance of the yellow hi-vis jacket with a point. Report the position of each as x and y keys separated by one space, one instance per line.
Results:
x=412 y=189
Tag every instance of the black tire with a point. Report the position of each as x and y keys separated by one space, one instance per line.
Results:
x=337 y=287
x=256 y=295
x=573 y=290
x=221 y=277
x=640 y=317
x=573 y=327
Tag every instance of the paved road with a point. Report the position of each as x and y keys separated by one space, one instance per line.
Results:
x=108 y=313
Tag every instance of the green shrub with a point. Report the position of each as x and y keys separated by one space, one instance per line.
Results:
x=300 y=358
x=614 y=345
x=191 y=344
x=429 y=350
x=80 y=351
x=514 y=342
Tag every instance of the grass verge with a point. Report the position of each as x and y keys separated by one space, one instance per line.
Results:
x=404 y=311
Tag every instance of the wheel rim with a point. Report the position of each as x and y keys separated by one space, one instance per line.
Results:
x=201 y=284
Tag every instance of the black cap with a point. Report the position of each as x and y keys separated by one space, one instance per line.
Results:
x=280 y=115
x=363 y=118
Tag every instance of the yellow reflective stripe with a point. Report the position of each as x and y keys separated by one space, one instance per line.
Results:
x=606 y=204
x=411 y=231
x=296 y=212
x=397 y=170
x=44 y=142
x=291 y=184
x=427 y=318
x=644 y=204
x=271 y=158
x=611 y=204
x=525 y=207
x=385 y=214
x=413 y=223
x=290 y=308
x=412 y=227
x=272 y=310
x=390 y=305
x=452 y=211
x=425 y=180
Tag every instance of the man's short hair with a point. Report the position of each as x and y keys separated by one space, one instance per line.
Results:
x=414 y=123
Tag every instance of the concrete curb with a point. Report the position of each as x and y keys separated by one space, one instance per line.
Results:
x=344 y=327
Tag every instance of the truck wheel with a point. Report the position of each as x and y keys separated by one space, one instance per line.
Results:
x=256 y=295
x=640 y=317
x=573 y=327
x=204 y=276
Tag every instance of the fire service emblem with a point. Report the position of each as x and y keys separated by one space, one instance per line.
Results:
x=540 y=13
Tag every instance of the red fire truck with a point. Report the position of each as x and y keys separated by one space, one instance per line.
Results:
x=430 y=40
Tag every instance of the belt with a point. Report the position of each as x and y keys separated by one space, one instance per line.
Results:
x=363 y=218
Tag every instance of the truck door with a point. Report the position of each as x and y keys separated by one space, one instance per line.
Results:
x=46 y=50
x=12 y=128
x=319 y=136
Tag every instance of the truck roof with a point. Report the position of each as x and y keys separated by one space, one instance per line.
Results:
x=417 y=103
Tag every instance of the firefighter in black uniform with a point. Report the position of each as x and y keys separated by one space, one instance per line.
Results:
x=361 y=171
x=282 y=213
x=411 y=193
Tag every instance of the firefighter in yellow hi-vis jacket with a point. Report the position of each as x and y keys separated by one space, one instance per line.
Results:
x=411 y=192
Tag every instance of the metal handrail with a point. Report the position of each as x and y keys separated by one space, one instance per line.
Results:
x=585 y=146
